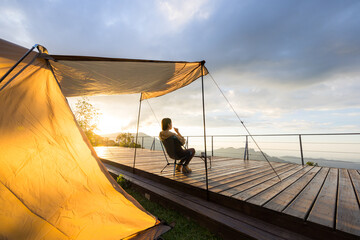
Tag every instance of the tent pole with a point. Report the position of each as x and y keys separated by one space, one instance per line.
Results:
x=17 y=63
x=203 y=106
x=137 y=132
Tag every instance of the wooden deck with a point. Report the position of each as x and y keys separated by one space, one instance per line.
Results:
x=319 y=199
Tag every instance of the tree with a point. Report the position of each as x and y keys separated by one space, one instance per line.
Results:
x=126 y=140
x=87 y=117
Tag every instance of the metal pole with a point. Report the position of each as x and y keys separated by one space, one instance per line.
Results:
x=152 y=145
x=203 y=105
x=247 y=151
x=301 y=150
x=246 y=143
x=137 y=132
x=212 y=146
x=17 y=63
x=142 y=142
x=187 y=142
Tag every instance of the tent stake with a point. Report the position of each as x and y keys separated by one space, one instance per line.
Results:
x=137 y=133
x=203 y=105
x=17 y=63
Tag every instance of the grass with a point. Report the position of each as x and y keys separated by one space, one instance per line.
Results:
x=185 y=228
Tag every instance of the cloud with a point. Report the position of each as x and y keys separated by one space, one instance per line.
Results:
x=14 y=26
x=273 y=60
x=181 y=13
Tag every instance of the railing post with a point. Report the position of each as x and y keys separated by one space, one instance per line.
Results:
x=212 y=146
x=142 y=142
x=187 y=142
x=154 y=143
x=247 y=149
x=301 y=150
x=246 y=152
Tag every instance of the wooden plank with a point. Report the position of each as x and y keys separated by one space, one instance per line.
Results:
x=256 y=180
x=264 y=196
x=199 y=174
x=214 y=172
x=244 y=195
x=281 y=200
x=223 y=178
x=217 y=183
x=303 y=202
x=324 y=208
x=355 y=178
x=266 y=171
x=348 y=211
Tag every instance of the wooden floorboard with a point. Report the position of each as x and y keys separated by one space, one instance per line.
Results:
x=348 y=212
x=323 y=211
x=281 y=200
x=321 y=196
x=301 y=206
x=216 y=178
x=355 y=178
x=261 y=186
x=249 y=180
x=226 y=182
x=269 y=193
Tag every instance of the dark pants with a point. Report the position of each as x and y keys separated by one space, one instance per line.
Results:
x=189 y=154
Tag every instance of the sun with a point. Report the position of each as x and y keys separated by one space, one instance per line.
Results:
x=109 y=124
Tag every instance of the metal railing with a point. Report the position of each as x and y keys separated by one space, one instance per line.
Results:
x=298 y=145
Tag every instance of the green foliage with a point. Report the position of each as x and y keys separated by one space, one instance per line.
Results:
x=184 y=227
x=123 y=182
x=87 y=117
x=126 y=140
x=311 y=164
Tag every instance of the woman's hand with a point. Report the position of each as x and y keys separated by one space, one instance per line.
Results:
x=176 y=130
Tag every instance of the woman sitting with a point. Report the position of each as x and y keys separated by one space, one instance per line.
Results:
x=185 y=154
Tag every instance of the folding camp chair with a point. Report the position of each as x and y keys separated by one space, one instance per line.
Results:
x=171 y=148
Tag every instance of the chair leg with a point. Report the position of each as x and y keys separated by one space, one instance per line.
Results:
x=174 y=167
x=164 y=167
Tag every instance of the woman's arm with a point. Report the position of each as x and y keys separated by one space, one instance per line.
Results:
x=180 y=137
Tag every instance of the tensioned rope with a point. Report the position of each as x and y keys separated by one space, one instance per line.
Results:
x=247 y=130
x=153 y=113
x=160 y=128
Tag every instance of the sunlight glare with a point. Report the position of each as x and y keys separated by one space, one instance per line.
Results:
x=109 y=124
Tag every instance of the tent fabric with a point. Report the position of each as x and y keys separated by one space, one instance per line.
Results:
x=52 y=183
x=88 y=76
x=81 y=76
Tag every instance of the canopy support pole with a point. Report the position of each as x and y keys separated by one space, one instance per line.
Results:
x=203 y=106
x=137 y=132
x=17 y=63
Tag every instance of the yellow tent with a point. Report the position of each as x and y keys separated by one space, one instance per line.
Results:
x=52 y=183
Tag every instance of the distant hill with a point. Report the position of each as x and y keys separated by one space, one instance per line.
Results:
x=325 y=162
x=255 y=155
x=239 y=153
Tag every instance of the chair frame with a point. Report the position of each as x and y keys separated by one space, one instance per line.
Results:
x=170 y=152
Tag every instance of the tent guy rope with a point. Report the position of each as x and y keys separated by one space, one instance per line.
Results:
x=247 y=130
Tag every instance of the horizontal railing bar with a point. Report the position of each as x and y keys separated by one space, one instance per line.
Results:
x=274 y=135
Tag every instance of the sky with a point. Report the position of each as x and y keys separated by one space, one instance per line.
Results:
x=285 y=66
